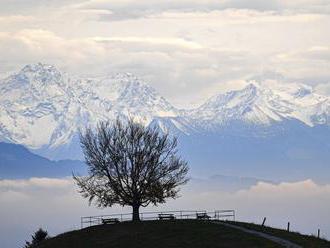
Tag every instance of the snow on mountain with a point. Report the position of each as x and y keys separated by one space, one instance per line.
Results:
x=122 y=94
x=263 y=104
x=40 y=106
x=43 y=107
x=270 y=128
x=33 y=105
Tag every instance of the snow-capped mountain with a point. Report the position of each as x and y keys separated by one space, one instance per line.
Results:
x=41 y=106
x=281 y=125
x=265 y=104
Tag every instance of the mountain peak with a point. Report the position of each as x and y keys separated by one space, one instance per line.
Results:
x=41 y=73
x=249 y=91
x=41 y=107
x=38 y=67
x=266 y=102
x=232 y=98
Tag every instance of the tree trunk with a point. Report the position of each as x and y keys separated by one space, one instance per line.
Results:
x=136 y=213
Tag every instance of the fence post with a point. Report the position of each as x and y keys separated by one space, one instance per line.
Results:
x=263 y=222
x=318 y=233
x=288 y=229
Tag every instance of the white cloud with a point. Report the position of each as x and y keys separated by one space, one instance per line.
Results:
x=56 y=205
x=19 y=6
x=188 y=50
x=129 y=9
x=310 y=65
x=26 y=205
x=9 y=19
x=151 y=40
x=305 y=204
x=165 y=62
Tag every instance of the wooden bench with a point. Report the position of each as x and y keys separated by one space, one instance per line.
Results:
x=202 y=216
x=110 y=221
x=166 y=216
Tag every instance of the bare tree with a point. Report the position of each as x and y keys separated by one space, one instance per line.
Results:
x=131 y=165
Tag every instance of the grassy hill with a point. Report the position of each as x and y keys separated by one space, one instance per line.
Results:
x=297 y=238
x=160 y=234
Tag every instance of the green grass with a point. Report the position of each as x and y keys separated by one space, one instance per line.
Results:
x=303 y=240
x=160 y=234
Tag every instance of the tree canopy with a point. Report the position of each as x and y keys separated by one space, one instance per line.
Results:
x=130 y=164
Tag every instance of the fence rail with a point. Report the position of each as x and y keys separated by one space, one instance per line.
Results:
x=181 y=214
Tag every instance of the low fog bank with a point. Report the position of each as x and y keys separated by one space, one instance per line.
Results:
x=55 y=205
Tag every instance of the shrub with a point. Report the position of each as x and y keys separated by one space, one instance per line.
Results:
x=37 y=237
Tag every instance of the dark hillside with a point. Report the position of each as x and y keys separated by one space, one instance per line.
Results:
x=160 y=234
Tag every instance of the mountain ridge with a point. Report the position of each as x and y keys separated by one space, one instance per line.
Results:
x=41 y=96
x=267 y=129
x=17 y=162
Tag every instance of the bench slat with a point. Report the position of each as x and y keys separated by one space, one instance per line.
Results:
x=166 y=216
x=202 y=216
x=110 y=220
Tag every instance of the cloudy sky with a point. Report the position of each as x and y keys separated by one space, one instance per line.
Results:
x=55 y=205
x=187 y=49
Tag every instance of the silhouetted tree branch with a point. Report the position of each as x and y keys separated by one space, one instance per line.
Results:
x=130 y=164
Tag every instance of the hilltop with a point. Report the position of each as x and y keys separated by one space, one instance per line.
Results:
x=179 y=233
